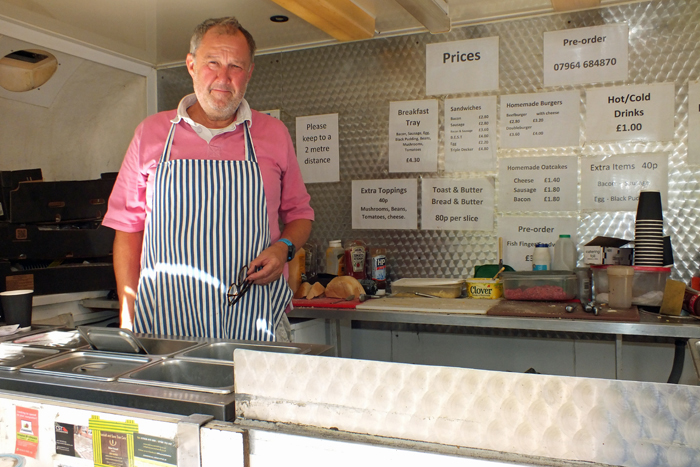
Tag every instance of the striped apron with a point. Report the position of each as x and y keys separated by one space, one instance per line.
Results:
x=208 y=220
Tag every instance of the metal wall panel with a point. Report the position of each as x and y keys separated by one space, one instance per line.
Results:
x=358 y=81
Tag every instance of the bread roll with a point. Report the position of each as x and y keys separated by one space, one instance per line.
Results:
x=316 y=291
x=343 y=287
x=303 y=289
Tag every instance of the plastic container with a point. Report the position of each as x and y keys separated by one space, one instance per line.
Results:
x=620 y=279
x=378 y=269
x=310 y=262
x=541 y=259
x=539 y=285
x=297 y=270
x=647 y=286
x=585 y=292
x=484 y=288
x=355 y=258
x=334 y=258
x=564 y=254
x=441 y=288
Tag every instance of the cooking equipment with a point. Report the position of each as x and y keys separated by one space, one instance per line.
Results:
x=101 y=366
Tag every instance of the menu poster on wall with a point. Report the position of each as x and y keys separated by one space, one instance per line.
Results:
x=457 y=204
x=461 y=66
x=694 y=123
x=520 y=234
x=642 y=112
x=385 y=204
x=470 y=134
x=413 y=136
x=550 y=119
x=586 y=55
x=613 y=183
x=317 y=148
x=538 y=183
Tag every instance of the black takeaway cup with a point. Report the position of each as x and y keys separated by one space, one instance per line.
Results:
x=17 y=307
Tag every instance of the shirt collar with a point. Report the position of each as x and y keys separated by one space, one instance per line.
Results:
x=242 y=114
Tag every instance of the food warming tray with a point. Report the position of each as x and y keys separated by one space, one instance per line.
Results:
x=99 y=366
x=112 y=340
x=14 y=356
x=216 y=378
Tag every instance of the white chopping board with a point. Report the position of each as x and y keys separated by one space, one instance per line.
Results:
x=422 y=304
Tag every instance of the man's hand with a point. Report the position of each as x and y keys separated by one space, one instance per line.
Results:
x=269 y=264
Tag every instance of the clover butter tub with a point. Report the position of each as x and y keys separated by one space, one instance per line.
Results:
x=484 y=288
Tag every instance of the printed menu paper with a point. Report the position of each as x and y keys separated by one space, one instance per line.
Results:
x=457 y=204
x=642 y=112
x=694 y=123
x=413 y=136
x=470 y=134
x=538 y=183
x=462 y=66
x=520 y=234
x=613 y=183
x=586 y=55
x=317 y=148
x=385 y=204
x=550 y=119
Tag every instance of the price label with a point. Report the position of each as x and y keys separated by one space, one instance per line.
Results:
x=613 y=183
x=461 y=66
x=470 y=134
x=317 y=148
x=413 y=136
x=457 y=204
x=641 y=112
x=694 y=123
x=520 y=234
x=586 y=55
x=549 y=119
x=385 y=204
x=538 y=183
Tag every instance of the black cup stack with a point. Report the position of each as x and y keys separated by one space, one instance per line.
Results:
x=649 y=230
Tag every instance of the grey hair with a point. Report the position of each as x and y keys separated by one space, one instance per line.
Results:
x=228 y=23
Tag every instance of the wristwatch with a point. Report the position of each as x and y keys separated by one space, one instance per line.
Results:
x=291 y=250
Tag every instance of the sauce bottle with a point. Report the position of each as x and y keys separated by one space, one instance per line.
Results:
x=334 y=258
x=378 y=269
x=355 y=255
x=541 y=259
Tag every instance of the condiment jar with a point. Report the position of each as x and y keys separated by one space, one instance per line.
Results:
x=541 y=258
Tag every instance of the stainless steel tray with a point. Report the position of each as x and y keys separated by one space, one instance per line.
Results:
x=54 y=338
x=215 y=378
x=99 y=366
x=223 y=351
x=14 y=356
x=112 y=340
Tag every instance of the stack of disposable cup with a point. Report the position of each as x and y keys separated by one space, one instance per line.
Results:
x=649 y=230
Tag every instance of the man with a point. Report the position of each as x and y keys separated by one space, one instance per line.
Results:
x=196 y=205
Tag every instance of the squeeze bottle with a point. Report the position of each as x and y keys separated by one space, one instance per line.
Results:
x=334 y=258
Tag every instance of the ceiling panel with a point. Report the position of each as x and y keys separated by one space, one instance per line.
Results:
x=157 y=31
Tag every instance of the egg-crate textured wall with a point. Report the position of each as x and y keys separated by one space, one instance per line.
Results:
x=359 y=80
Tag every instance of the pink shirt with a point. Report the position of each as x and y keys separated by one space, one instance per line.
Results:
x=287 y=198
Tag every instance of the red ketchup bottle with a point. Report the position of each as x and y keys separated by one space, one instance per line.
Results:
x=355 y=255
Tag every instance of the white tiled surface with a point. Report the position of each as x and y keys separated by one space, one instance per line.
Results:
x=613 y=422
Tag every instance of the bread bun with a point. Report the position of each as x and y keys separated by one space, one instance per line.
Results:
x=316 y=291
x=343 y=287
x=303 y=289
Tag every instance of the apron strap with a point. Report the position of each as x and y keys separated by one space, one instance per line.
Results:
x=165 y=157
x=249 y=149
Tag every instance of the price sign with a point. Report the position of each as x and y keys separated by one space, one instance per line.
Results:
x=413 y=136
x=549 y=119
x=470 y=134
x=586 y=55
x=694 y=123
x=642 y=112
x=385 y=204
x=457 y=204
x=520 y=234
x=538 y=183
x=317 y=148
x=613 y=183
x=461 y=66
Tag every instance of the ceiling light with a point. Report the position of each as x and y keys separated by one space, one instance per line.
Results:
x=342 y=19
x=279 y=18
x=433 y=14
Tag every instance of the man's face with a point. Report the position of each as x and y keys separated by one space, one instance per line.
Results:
x=220 y=70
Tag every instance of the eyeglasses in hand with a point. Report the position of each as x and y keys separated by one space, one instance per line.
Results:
x=238 y=288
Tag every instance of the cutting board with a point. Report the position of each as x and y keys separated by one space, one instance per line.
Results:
x=325 y=302
x=427 y=305
x=556 y=310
